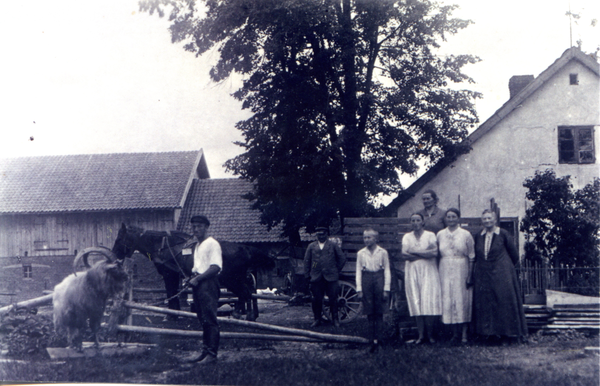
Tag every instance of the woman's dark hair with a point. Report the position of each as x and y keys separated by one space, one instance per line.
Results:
x=433 y=194
x=418 y=214
x=489 y=211
x=453 y=210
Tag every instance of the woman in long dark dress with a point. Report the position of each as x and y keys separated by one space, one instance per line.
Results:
x=497 y=304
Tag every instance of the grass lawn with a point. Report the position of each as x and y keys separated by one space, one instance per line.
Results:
x=546 y=360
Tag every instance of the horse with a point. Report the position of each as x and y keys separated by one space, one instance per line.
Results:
x=164 y=249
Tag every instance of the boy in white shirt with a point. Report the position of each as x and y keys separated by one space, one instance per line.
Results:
x=373 y=279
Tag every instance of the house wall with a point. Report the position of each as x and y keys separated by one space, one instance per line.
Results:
x=65 y=233
x=526 y=140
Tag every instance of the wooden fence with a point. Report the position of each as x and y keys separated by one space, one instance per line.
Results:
x=392 y=229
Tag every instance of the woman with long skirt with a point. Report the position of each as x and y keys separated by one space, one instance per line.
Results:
x=457 y=252
x=422 y=280
x=497 y=304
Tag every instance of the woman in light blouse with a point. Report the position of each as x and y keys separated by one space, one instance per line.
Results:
x=422 y=280
x=457 y=252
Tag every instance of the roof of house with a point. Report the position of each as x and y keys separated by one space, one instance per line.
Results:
x=231 y=216
x=98 y=182
x=572 y=53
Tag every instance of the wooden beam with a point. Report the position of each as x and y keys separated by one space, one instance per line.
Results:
x=262 y=326
x=104 y=350
x=574 y=327
x=222 y=334
x=224 y=295
x=36 y=302
x=279 y=298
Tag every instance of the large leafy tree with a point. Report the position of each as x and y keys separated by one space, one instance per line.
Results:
x=344 y=95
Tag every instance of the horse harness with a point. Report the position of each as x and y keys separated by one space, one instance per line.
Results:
x=165 y=244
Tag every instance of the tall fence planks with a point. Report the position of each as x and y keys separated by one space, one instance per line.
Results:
x=392 y=229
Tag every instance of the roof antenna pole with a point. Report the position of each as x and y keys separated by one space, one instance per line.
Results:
x=570 y=27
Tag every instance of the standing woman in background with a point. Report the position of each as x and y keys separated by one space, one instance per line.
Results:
x=498 y=307
x=433 y=216
x=422 y=280
x=457 y=252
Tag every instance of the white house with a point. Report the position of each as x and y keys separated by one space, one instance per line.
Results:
x=549 y=122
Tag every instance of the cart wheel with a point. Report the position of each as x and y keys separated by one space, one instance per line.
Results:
x=252 y=309
x=349 y=307
x=251 y=280
x=287 y=284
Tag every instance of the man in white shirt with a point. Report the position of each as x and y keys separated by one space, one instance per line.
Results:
x=208 y=261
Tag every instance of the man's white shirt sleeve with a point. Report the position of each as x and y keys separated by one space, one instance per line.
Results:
x=207 y=253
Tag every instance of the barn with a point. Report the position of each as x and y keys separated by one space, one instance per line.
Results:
x=53 y=206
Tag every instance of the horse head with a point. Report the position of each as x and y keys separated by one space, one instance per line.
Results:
x=127 y=241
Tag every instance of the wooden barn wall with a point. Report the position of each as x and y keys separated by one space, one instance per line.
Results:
x=65 y=233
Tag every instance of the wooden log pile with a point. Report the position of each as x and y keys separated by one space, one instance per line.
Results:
x=575 y=316
x=537 y=316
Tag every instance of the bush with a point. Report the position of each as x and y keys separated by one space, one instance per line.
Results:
x=561 y=228
x=25 y=333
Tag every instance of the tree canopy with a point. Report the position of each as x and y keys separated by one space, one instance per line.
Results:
x=344 y=95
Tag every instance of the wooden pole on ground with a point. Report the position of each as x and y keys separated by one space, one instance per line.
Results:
x=262 y=326
x=41 y=301
x=223 y=335
x=281 y=298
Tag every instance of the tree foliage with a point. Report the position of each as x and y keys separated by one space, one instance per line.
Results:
x=562 y=225
x=344 y=94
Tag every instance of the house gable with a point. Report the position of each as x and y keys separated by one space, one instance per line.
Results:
x=520 y=138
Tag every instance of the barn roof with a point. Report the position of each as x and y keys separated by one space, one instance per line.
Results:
x=98 y=182
x=513 y=103
x=231 y=216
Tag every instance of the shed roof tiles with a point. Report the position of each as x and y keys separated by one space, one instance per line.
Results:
x=231 y=216
x=93 y=182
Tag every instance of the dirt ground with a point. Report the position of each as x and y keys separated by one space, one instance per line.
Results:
x=548 y=358
x=564 y=352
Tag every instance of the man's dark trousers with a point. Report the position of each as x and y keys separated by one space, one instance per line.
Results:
x=206 y=299
x=319 y=288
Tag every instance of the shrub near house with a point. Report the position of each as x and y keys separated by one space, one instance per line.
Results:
x=561 y=229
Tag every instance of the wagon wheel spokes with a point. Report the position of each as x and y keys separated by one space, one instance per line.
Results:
x=348 y=307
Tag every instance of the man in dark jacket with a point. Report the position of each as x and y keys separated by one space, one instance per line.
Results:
x=323 y=262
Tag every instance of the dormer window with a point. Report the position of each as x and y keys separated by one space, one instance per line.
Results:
x=573 y=79
x=576 y=145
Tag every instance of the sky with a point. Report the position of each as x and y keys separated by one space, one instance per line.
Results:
x=82 y=77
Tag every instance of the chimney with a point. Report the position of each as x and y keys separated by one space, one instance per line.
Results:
x=518 y=83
